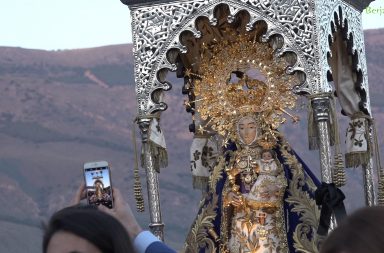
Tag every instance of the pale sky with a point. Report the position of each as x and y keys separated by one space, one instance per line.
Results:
x=68 y=24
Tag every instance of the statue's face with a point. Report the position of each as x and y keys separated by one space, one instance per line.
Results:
x=247 y=128
x=267 y=155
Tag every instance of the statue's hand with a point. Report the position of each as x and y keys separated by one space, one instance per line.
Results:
x=235 y=199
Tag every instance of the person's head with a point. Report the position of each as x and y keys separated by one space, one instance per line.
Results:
x=85 y=229
x=267 y=154
x=361 y=232
x=247 y=129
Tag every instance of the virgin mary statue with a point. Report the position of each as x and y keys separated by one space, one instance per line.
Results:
x=260 y=196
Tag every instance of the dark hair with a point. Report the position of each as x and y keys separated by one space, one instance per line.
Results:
x=97 y=227
x=363 y=231
x=272 y=152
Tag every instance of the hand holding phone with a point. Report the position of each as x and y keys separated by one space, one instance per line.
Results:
x=123 y=213
x=98 y=185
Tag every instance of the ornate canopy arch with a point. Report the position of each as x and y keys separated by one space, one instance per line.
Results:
x=292 y=20
x=345 y=25
x=343 y=43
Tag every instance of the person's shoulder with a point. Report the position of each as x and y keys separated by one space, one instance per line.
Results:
x=159 y=247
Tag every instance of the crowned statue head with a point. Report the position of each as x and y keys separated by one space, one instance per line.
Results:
x=243 y=91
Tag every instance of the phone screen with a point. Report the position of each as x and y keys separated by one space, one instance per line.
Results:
x=98 y=185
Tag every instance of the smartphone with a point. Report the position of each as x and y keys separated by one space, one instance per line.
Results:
x=97 y=177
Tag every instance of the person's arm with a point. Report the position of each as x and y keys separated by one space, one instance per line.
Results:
x=123 y=213
x=159 y=247
x=146 y=242
x=143 y=241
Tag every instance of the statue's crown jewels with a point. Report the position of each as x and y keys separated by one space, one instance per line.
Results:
x=239 y=77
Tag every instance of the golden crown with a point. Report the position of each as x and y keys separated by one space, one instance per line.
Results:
x=241 y=77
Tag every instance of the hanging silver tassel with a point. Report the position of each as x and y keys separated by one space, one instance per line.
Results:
x=138 y=192
x=137 y=189
x=339 y=177
x=313 y=141
x=379 y=169
x=380 y=197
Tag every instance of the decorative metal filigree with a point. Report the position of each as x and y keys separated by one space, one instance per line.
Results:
x=161 y=25
x=156 y=225
x=157 y=28
x=152 y=26
x=321 y=109
x=307 y=36
x=304 y=25
x=369 y=188
x=349 y=18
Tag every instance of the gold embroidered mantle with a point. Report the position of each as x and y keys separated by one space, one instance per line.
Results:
x=304 y=235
